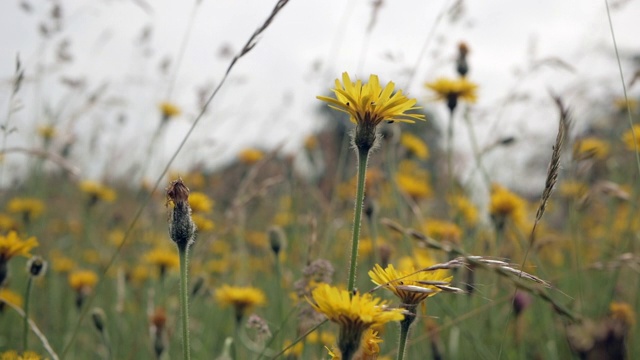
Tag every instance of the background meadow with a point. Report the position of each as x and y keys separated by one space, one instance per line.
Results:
x=100 y=103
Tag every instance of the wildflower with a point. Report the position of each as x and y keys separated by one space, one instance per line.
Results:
x=462 y=66
x=162 y=258
x=573 y=189
x=464 y=209
x=82 y=282
x=621 y=105
x=590 y=148
x=97 y=192
x=370 y=345
x=46 y=132
x=168 y=110
x=453 y=90
x=623 y=312
x=181 y=227
x=631 y=138
x=29 y=208
x=250 y=156
x=202 y=224
x=310 y=142
x=415 y=145
x=370 y=104
x=61 y=263
x=443 y=230
x=413 y=180
x=10 y=297
x=11 y=245
x=36 y=266
x=14 y=355
x=409 y=286
x=295 y=351
x=7 y=223
x=200 y=202
x=241 y=298
x=504 y=205
x=354 y=313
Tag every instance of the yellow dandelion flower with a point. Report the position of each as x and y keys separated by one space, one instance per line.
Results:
x=623 y=312
x=116 y=237
x=370 y=104
x=242 y=299
x=11 y=245
x=162 y=258
x=61 y=263
x=504 y=204
x=310 y=142
x=370 y=345
x=573 y=189
x=10 y=297
x=30 y=208
x=295 y=351
x=139 y=274
x=415 y=145
x=168 y=110
x=631 y=138
x=354 y=313
x=451 y=90
x=590 y=148
x=443 y=230
x=414 y=183
x=14 y=355
x=621 y=105
x=202 y=224
x=409 y=286
x=200 y=202
x=97 y=191
x=250 y=156
x=7 y=223
x=83 y=280
x=47 y=132
x=464 y=209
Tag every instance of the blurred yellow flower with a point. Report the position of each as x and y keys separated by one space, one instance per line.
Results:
x=631 y=138
x=505 y=204
x=464 y=209
x=83 y=280
x=200 y=202
x=573 y=189
x=623 y=312
x=621 y=105
x=452 y=90
x=295 y=351
x=413 y=180
x=12 y=245
x=415 y=145
x=97 y=191
x=46 y=132
x=11 y=297
x=250 y=156
x=61 y=263
x=30 y=208
x=590 y=148
x=409 y=286
x=443 y=230
x=241 y=298
x=168 y=110
x=162 y=258
x=203 y=224
x=370 y=345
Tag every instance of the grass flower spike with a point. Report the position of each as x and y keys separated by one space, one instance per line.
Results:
x=353 y=313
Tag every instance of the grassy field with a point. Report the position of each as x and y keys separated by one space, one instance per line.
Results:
x=105 y=270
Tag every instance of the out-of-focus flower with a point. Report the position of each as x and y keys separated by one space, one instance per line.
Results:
x=29 y=208
x=453 y=90
x=242 y=299
x=168 y=110
x=631 y=138
x=415 y=145
x=12 y=245
x=443 y=230
x=97 y=192
x=590 y=148
x=200 y=202
x=250 y=156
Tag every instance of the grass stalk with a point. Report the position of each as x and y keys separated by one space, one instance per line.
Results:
x=184 y=302
x=25 y=329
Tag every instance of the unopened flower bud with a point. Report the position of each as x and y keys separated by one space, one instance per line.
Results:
x=36 y=266
x=181 y=227
x=99 y=319
x=277 y=239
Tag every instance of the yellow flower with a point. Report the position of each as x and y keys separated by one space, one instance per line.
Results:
x=47 y=132
x=162 y=258
x=370 y=104
x=415 y=145
x=168 y=110
x=370 y=346
x=623 y=312
x=451 y=90
x=203 y=224
x=463 y=208
x=621 y=105
x=590 y=147
x=413 y=180
x=11 y=245
x=200 y=202
x=14 y=355
x=61 y=263
x=310 y=142
x=10 y=297
x=97 y=191
x=631 y=138
x=354 y=313
x=250 y=156
x=7 y=223
x=241 y=298
x=573 y=189
x=295 y=351
x=443 y=230
x=409 y=286
x=505 y=204
x=83 y=280
x=28 y=207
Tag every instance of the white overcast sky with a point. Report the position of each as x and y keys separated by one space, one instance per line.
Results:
x=270 y=97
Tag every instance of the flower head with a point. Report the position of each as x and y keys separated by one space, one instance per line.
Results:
x=631 y=138
x=250 y=156
x=370 y=104
x=410 y=286
x=11 y=245
x=200 y=202
x=354 y=313
x=10 y=297
x=241 y=298
x=505 y=204
x=452 y=90
x=168 y=110
x=415 y=145
x=83 y=280
x=162 y=258
x=97 y=191
x=30 y=208
x=590 y=148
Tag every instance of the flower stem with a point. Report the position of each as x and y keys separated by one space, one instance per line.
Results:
x=404 y=333
x=450 y=151
x=363 y=156
x=184 y=302
x=25 y=330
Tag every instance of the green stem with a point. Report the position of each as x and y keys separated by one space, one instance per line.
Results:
x=363 y=156
x=184 y=302
x=404 y=330
x=450 y=150
x=25 y=329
